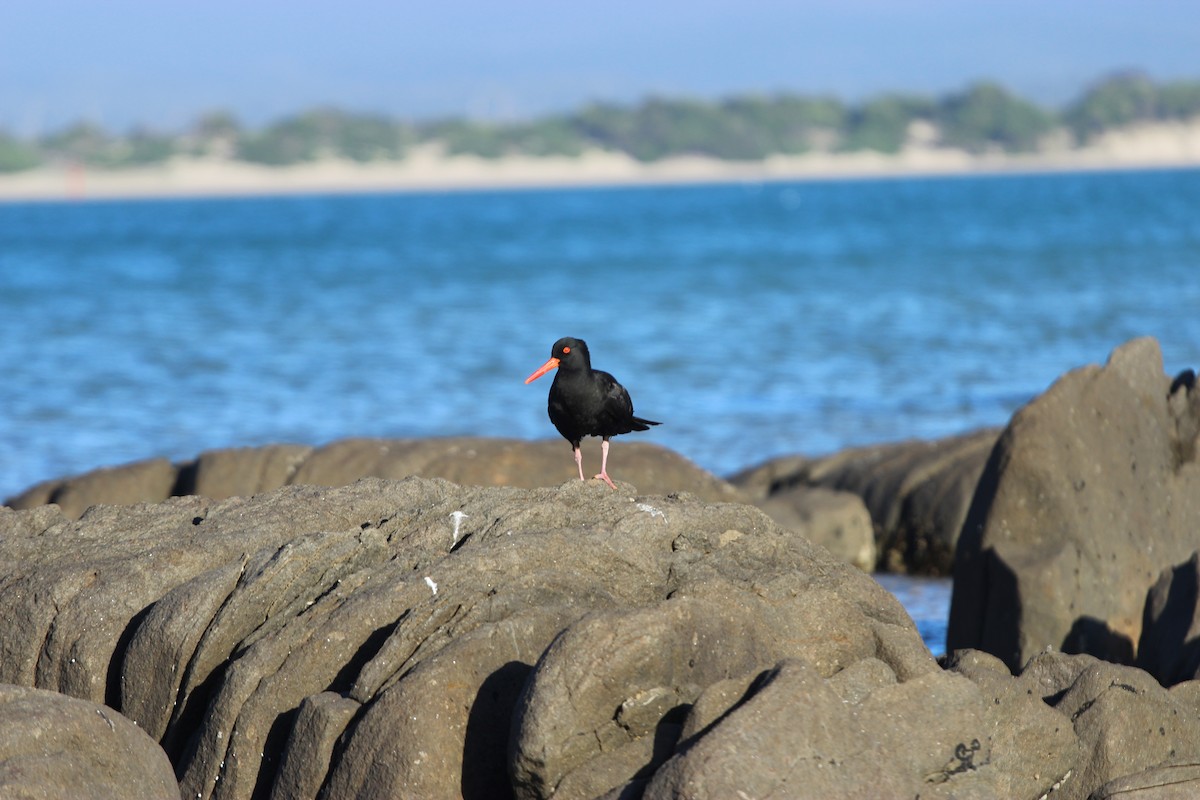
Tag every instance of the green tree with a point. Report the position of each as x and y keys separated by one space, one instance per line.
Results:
x=606 y=125
x=659 y=128
x=464 y=137
x=987 y=116
x=1179 y=100
x=313 y=134
x=1120 y=100
x=550 y=136
x=688 y=127
x=82 y=142
x=17 y=156
x=882 y=124
x=215 y=132
x=783 y=124
x=214 y=124
x=368 y=137
x=143 y=147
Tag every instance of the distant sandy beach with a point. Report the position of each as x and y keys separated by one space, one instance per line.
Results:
x=428 y=168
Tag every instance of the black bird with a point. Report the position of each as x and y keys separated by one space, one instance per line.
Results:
x=586 y=402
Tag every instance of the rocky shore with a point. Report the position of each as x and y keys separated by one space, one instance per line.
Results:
x=459 y=618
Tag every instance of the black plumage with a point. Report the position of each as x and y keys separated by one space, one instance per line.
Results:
x=587 y=402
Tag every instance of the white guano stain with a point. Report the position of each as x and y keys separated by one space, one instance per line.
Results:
x=651 y=510
x=457 y=517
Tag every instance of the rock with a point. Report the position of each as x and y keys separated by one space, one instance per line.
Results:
x=1169 y=647
x=1175 y=779
x=73 y=589
x=1126 y=723
x=141 y=482
x=1184 y=402
x=475 y=461
x=36 y=495
x=1049 y=674
x=1083 y=502
x=220 y=474
x=418 y=638
x=320 y=720
x=376 y=639
x=933 y=504
x=760 y=481
x=55 y=746
x=864 y=733
x=651 y=665
x=838 y=521
x=917 y=492
x=444 y=728
x=1123 y=722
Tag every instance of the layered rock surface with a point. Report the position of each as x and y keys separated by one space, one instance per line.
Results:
x=916 y=492
x=379 y=639
x=475 y=461
x=423 y=639
x=837 y=520
x=1091 y=492
x=54 y=746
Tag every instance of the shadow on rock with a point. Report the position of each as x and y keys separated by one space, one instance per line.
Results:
x=485 y=742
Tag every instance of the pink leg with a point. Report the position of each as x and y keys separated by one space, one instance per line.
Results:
x=579 y=461
x=604 y=464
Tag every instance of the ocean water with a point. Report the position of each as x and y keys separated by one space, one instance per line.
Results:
x=753 y=320
x=927 y=601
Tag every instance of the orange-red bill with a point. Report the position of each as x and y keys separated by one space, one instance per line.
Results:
x=542 y=370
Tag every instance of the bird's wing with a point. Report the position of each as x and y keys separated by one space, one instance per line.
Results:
x=616 y=400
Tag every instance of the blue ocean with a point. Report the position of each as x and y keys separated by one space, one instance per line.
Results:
x=754 y=320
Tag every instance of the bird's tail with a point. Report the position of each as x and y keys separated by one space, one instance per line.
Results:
x=640 y=424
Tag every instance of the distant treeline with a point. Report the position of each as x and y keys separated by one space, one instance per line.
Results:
x=985 y=117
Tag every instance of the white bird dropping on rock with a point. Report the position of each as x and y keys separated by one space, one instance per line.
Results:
x=458 y=517
x=651 y=510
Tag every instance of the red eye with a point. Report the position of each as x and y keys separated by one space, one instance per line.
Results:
x=566 y=350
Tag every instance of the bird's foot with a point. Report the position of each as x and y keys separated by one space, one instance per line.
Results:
x=604 y=477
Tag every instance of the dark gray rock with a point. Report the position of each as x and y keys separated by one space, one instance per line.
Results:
x=321 y=719
x=1176 y=779
x=1033 y=747
x=474 y=461
x=54 y=746
x=762 y=480
x=652 y=664
x=75 y=589
x=835 y=520
x=838 y=521
x=1184 y=404
x=141 y=482
x=863 y=732
x=1049 y=674
x=1123 y=722
x=1169 y=647
x=1084 y=501
x=423 y=639
x=1126 y=723
x=616 y=573
x=374 y=640
x=220 y=474
x=917 y=492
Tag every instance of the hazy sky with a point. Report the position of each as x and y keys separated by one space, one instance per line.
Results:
x=163 y=62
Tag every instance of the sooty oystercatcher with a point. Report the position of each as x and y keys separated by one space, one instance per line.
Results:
x=586 y=402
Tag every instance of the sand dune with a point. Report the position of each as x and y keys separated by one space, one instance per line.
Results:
x=1158 y=145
